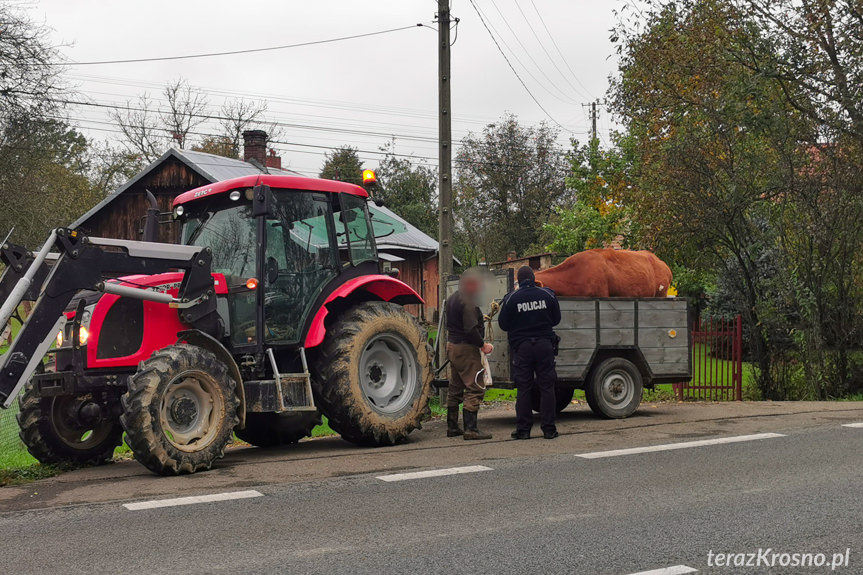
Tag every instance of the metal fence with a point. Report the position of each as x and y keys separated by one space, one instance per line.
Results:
x=717 y=361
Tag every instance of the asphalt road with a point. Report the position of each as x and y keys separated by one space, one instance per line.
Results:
x=795 y=490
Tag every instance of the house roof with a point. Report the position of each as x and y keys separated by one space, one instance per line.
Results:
x=412 y=239
x=210 y=166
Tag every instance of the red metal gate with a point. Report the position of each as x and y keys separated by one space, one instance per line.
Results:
x=717 y=362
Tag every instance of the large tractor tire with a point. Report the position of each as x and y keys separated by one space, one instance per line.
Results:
x=51 y=429
x=277 y=429
x=563 y=397
x=180 y=410
x=614 y=388
x=372 y=374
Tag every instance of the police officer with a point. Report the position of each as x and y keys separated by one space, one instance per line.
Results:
x=465 y=343
x=529 y=315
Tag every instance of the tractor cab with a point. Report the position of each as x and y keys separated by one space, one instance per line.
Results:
x=290 y=237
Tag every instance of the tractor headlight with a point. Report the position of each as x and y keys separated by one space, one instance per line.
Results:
x=83 y=335
x=60 y=338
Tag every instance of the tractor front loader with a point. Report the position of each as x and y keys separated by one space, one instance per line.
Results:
x=273 y=312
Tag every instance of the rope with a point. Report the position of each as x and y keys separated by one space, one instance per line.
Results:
x=493 y=308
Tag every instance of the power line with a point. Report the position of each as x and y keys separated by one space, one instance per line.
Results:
x=502 y=53
x=529 y=55
x=247 y=51
x=503 y=44
x=542 y=45
x=413 y=158
x=557 y=47
x=216 y=117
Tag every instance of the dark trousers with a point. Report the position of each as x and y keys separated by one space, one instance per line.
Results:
x=533 y=371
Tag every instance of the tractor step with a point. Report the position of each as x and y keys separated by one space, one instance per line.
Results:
x=285 y=392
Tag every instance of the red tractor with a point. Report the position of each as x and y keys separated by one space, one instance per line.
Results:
x=273 y=311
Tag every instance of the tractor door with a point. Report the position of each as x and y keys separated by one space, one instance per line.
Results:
x=300 y=259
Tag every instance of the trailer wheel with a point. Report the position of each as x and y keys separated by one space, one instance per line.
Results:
x=373 y=374
x=276 y=429
x=614 y=388
x=563 y=397
x=180 y=410
x=51 y=429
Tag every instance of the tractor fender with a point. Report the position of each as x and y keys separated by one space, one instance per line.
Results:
x=211 y=344
x=384 y=288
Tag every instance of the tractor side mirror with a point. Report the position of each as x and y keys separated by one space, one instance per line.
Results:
x=262 y=200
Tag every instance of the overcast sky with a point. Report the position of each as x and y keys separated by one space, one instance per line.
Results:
x=384 y=84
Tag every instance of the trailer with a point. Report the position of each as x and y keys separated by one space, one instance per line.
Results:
x=612 y=348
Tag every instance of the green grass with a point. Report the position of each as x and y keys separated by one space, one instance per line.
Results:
x=324 y=429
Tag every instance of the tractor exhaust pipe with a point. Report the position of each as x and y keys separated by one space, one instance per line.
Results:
x=17 y=293
x=151 y=222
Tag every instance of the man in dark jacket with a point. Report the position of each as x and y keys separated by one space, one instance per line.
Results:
x=529 y=315
x=465 y=343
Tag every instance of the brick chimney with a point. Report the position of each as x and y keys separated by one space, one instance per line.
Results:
x=255 y=146
x=274 y=161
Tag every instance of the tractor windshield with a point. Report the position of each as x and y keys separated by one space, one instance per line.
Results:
x=230 y=233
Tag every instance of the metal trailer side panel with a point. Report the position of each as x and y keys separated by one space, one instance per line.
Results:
x=664 y=338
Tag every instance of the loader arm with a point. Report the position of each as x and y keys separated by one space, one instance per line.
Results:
x=81 y=263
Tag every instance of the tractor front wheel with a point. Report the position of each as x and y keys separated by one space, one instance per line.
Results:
x=372 y=374
x=55 y=430
x=180 y=410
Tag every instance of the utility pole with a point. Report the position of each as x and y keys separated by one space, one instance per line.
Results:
x=445 y=153
x=593 y=134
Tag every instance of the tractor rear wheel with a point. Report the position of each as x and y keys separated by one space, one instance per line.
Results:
x=53 y=432
x=180 y=410
x=373 y=374
x=276 y=429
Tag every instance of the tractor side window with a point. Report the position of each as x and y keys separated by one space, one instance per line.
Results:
x=360 y=234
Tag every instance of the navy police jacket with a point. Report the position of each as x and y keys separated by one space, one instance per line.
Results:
x=531 y=312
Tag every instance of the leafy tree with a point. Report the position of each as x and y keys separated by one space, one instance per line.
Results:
x=409 y=188
x=49 y=185
x=218 y=145
x=508 y=183
x=814 y=51
x=343 y=164
x=599 y=178
x=111 y=166
x=717 y=147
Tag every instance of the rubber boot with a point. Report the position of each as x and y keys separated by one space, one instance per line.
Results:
x=452 y=428
x=470 y=429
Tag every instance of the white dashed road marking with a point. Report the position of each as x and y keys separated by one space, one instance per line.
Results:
x=156 y=503
x=676 y=570
x=434 y=473
x=673 y=446
x=852 y=425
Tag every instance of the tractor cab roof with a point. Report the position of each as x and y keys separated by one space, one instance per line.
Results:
x=289 y=182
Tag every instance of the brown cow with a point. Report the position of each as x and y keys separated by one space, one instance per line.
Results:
x=606 y=272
